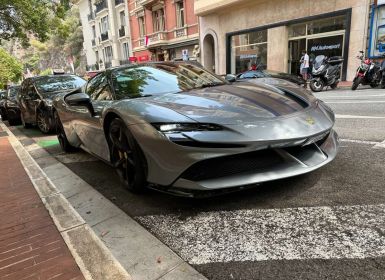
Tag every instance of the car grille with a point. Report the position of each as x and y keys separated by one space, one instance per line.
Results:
x=231 y=165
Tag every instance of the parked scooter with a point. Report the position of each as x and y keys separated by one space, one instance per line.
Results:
x=368 y=73
x=326 y=72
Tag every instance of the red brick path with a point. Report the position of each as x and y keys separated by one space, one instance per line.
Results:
x=31 y=247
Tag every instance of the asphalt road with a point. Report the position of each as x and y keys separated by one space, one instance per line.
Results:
x=329 y=224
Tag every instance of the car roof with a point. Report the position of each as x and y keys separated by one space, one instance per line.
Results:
x=50 y=76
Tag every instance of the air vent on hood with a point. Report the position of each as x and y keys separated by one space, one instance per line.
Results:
x=294 y=97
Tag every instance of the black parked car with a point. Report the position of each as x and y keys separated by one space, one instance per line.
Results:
x=267 y=74
x=3 y=99
x=11 y=106
x=36 y=98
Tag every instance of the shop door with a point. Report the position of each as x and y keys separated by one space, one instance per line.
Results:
x=295 y=52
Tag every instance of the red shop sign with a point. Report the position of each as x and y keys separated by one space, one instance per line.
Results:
x=132 y=58
x=144 y=58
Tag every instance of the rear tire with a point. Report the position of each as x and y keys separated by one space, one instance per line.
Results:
x=356 y=83
x=3 y=115
x=316 y=85
x=61 y=136
x=127 y=157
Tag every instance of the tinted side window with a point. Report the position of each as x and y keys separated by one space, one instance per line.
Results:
x=95 y=85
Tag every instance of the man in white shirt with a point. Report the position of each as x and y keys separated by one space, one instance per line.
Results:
x=305 y=66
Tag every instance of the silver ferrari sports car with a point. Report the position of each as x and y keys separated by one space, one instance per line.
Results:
x=181 y=129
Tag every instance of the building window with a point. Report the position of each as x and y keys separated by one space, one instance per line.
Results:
x=126 y=51
x=179 y=14
x=107 y=52
x=104 y=25
x=93 y=31
x=249 y=51
x=158 y=20
x=142 y=28
x=122 y=18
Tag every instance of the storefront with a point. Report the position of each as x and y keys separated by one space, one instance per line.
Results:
x=238 y=35
x=319 y=35
x=377 y=30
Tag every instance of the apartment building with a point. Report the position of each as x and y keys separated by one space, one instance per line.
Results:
x=235 y=34
x=163 y=30
x=106 y=32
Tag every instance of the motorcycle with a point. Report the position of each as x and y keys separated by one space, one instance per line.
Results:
x=368 y=73
x=326 y=72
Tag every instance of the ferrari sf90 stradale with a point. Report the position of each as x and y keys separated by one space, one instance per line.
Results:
x=179 y=128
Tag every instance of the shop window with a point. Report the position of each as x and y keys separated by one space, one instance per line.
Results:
x=326 y=25
x=249 y=51
x=297 y=30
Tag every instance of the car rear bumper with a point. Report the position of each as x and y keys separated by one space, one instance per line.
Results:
x=256 y=167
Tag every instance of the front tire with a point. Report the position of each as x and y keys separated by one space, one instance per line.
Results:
x=61 y=136
x=316 y=85
x=356 y=82
x=334 y=86
x=127 y=157
x=42 y=120
x=3 y=115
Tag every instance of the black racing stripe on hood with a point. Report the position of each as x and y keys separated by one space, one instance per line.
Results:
x=254 y=97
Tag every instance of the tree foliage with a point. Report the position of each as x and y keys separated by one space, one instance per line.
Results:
x=11 y=70
x=22 y=18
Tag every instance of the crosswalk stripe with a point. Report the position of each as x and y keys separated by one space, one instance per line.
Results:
x=274 y=234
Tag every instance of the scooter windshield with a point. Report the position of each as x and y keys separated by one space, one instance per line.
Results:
x=318 y=61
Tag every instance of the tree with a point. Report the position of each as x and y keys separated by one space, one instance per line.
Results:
x=22 y=18
x=11 y=70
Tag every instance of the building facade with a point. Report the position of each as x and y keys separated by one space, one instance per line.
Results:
x=106 y=32
x=237 y=34
x=163 y=30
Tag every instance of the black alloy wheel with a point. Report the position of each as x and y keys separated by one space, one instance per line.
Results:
x=61 y=136
x=127 y=157
x=42 y=120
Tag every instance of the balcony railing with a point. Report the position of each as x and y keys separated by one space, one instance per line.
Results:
x=142 y=42
x=93 y=42
x=101 y=6
x=104 y=36
x=122 y=31
x=118 y=2
x=91 y=16
x=181 y=32
x=157 y=37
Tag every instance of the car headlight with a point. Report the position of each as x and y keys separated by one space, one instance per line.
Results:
x=184 y=127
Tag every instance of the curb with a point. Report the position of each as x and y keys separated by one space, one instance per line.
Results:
x=120 y=242
x=97 y=263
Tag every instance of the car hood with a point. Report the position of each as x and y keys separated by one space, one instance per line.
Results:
x=242 y=102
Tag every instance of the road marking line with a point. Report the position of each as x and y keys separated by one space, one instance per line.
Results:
x=357 y=117
x=360 y=141
x=354 y=102
x=379 y=145
x=352 y=96
x=349 y=232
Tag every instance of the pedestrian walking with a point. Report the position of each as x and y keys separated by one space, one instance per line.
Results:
x=305 y=66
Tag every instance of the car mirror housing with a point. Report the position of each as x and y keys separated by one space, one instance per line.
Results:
x=230 y=78
x=80 y=99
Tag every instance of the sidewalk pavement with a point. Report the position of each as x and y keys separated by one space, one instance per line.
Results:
x=31 y=247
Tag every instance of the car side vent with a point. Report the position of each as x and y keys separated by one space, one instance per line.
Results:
x=295 y=97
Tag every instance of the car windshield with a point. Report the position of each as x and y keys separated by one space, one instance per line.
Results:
x=157 y=79
x=51 y=84
x=12 y=92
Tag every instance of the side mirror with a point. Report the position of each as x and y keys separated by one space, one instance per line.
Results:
x=230 y=78
x=80 y=99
